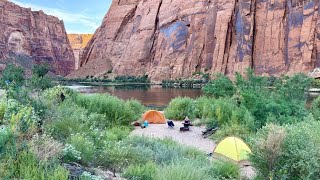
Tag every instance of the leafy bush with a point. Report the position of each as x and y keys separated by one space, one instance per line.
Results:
x=141 y=172
x=12 y=76
x=70 y=154
x=53 y=95
x=136 y=107
x=179 y=108
x=290 y=152
x=203 y=106
x=67 y=119
x=221 y=86
x=84 y=145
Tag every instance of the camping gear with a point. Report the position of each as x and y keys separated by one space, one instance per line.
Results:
x=154 y=117
x=209 y=132
x=136 y=123
x=170 y=124
x=233 y=148
x=145 y=124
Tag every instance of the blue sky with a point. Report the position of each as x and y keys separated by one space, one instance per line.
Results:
x=79 y=16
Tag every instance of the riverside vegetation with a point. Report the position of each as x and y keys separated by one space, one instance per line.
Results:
x=41 y=132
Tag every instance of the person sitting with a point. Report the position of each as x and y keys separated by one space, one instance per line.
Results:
x=170 y=124
x=187 y=122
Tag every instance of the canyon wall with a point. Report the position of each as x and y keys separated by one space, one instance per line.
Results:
x=78 y=43
x=170 y=39
x=29 y=37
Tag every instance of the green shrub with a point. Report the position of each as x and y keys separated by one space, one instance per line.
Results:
x=290 y=152
x=70 y=154
x=136 y=107
x=141 y=172
x=118 y=156
x=53 y=95
x=203 y=106
x=117 y=133
x=221 y=86
x=84 y=145
x=12 y=76
x=179 y=108
x=67 y=119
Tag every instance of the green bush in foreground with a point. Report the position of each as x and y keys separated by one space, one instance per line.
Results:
x=179 y=108
x=290 y=152
x=26 y=166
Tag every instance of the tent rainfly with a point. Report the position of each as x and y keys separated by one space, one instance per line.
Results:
x=154 y=117
x=233 y=148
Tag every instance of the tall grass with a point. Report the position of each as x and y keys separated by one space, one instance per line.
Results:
x=116 y=111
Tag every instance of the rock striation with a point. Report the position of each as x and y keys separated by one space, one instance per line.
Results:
x=170 y=39
x=78 y=42
x=29 y=37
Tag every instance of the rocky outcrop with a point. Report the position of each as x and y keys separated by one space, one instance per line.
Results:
x=29 y=37
x=170 y=39
x=78 y=43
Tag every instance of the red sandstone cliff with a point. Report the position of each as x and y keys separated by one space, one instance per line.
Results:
x=29 y=37
x=78 y=43
x=169 y=39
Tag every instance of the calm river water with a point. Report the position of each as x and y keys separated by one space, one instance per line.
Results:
x=149 y=95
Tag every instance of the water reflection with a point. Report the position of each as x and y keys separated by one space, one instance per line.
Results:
x=152 y=96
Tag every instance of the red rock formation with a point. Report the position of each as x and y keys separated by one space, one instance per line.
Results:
x=78 y=42
x=29 y=37
x=169 y=39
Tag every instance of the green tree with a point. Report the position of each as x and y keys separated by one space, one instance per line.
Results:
x=40 y=80
x=12 y=76
x=221 y=86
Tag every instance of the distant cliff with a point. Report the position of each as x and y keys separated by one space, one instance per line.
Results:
x=169 y=39
x=78 y=43
x=29 y=37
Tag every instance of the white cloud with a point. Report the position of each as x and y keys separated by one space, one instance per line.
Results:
x=67 y=17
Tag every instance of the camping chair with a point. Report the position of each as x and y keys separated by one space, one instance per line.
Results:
x=170 y=124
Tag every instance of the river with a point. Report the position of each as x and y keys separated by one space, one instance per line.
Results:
x=149 y=95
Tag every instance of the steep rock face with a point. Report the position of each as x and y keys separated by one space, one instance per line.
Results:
x=170 y=39
x=29 y=37
x=78 y=42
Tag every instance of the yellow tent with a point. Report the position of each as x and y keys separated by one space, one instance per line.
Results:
x=233 y=148
x=154 y=117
